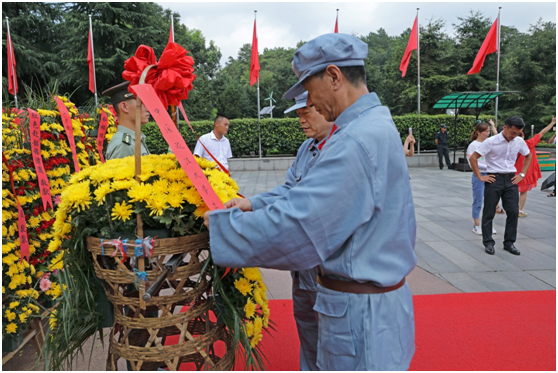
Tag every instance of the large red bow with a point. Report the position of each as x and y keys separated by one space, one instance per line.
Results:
x=173 y=77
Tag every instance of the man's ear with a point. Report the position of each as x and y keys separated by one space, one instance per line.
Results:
x=335 y=76
x=123 y=107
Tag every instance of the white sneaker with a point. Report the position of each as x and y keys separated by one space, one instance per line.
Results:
x=477 y=229
x=493 y=231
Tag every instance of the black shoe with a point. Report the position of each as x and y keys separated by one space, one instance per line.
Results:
x=489 y=249
x=512 y=249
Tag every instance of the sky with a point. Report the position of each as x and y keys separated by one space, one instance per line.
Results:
x=284 y=24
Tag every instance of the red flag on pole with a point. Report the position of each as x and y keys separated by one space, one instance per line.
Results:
x=489 y=45
x=90 y=63
x=12 y=77
x=411 y=46
x=255 y=63
x=336 y=29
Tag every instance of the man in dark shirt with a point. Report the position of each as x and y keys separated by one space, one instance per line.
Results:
x=442 y=138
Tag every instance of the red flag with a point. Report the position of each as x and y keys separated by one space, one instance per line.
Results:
x=90 y=63
x=336 y=30
x=171 y=35
x=489 y=45
x=255 y=63
x=412 y=44
x=11 y=68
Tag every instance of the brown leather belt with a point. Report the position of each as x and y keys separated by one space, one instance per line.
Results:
x=356 y=287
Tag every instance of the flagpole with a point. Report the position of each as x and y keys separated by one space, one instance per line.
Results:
x=11 y=52
x=93 y=58
x=498 y=69
x=258 y=90
x=418 y=78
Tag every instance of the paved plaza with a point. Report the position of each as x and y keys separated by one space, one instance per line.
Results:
x=451 y=258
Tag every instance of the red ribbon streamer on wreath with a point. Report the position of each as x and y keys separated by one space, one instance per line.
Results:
x=67 y=122
x=103 y=125
x=35 y=135
x=177 y=144
x=22 y=226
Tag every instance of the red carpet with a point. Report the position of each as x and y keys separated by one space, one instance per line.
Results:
x=479 y=331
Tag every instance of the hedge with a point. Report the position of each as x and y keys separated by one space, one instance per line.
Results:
x=284 y=136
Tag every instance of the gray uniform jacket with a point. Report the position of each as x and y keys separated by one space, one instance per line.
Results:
x=305 y=158
x=123 y=144
x=354 y=214
x=442 y=139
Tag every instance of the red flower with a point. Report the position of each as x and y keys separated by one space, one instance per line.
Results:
x=171 y=79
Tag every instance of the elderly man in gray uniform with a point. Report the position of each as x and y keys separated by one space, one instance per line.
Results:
x=316 y=128
x=123 y=143
x=352 y=215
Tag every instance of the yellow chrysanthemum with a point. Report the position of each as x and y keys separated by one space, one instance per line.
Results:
x=157 y=203
x=77 y=195
x=160 y=187
x=257 y=325
x=23 y=317
x=11 y=328
x=139 y=192
x=57 y=261
x=249 y=309
x=52 y=320
x=192 y=196
x=249 y=328
x=102 y=190
x=252 y=274
x=123 y=184
x=10 y=316
x=255 y=340
x=243 y=285
x=175 y=200
x=122 y=211
x=14 y=305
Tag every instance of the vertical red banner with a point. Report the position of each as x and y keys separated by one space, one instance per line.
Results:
x=184 y=156
x=35 y=134
x=67 y=122
x=21 y=225
x=103 y=125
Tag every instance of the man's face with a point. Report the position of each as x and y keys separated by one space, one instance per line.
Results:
x=443 y=129
x=130 y=106
x=511 y=132
x=320 y=96
x=313 y=123
x=222 y=126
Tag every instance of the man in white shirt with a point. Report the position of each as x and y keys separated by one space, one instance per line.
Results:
x=216 y=142
x=500 y=153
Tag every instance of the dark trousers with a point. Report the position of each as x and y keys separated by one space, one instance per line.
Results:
x=443 y=151
x=502 y=187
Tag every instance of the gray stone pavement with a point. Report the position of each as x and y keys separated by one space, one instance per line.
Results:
x=451 y=257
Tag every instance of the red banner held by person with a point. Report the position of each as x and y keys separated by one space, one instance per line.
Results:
x=90 y=63
x=255 y=62
x=489 y=45
x=35 y=135
x=177 y=144
x=67 y=123
x=412 y=45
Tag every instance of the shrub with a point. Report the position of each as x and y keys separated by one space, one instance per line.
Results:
x=284 y=136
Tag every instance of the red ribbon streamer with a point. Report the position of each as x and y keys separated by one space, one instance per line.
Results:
x=178 y=145
x=22 y=226
x=67 y=122
x=103 y=125
x=35 y=134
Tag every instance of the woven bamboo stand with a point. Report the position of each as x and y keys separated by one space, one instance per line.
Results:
x=136 y=335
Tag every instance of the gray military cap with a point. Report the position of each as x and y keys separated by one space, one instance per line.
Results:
x=330 y=49
x=300 y=102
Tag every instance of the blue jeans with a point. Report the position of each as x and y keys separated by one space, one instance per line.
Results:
x=478 y=195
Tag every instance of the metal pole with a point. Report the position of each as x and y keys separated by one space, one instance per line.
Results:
x=93 y=57
x=12 y=59
x=418 y=79
x=259 y=123
x=498 y=69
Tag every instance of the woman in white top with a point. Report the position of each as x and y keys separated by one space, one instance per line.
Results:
x=480 y=133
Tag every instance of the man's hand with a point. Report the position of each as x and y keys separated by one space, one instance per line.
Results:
x=243 y=204
x=516 y=179
x=206 y=219
x=411 y=139
x=487 y=178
